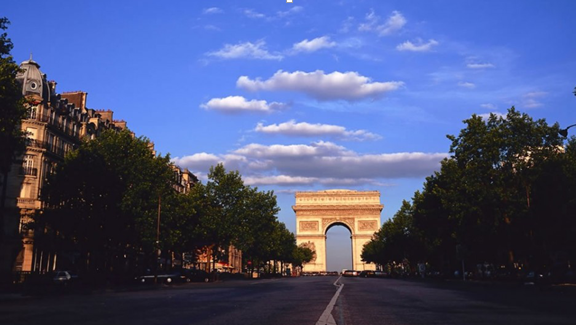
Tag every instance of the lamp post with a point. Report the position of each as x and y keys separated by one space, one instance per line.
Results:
x=564 y=132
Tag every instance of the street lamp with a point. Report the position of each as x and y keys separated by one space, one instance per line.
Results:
x=564 y=132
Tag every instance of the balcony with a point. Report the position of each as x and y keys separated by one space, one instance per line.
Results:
x=28 y=171
x=27 y=203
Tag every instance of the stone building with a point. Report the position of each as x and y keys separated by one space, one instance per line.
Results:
x=56 y=124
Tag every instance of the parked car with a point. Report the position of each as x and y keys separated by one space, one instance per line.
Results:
x=193 y=275
x=168 y=278
x=64 y=277
x=372 y=274
x=351 y=273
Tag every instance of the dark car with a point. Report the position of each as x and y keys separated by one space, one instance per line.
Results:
x=372 y=274
x=168 y=278
x=64 y=277
x=193 y=275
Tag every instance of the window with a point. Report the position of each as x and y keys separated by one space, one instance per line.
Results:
x=32 y=113
x=50 y=142
x=28 y=166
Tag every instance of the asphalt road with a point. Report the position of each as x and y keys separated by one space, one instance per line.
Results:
x=391 y=302
x=300 y=301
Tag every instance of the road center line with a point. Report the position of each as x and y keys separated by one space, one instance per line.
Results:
x=326 y=317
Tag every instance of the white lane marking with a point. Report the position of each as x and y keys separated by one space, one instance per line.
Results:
x=326 y=317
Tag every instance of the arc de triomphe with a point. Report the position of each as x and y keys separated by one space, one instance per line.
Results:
x=316 y=212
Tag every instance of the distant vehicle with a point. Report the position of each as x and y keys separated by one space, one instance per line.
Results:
x=64 y=277
x=167 y=278
x=196 y=275
x=350 y=273
x=372 y=274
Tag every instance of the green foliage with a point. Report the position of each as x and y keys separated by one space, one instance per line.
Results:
x=12 y=110
x=301 y=255
x=231 y=213
x=105 y=198
x=506 y=196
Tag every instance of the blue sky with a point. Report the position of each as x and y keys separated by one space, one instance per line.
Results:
x=311 y=95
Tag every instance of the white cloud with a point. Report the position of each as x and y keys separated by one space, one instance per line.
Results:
x=419 y=46
x=246 y=50
x=333 y=86
x=198 y=161
x=489 y=106
x=316 y=163
x=251 y=13
x=393 y=24
x=303 y=129
x=313 y=45
x=213 y=10
x=479 y=65
x=532 y=99
x=465 y=84
x=237 y=104
x=291 y=11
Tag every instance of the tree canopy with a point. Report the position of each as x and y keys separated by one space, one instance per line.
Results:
x=506 y=196
x=12 y=111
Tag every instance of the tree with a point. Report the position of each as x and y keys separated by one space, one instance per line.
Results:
x=396 y=240
x=502 y=196
x=12 y=141
x=222 y=203
x=104 y=201
x=301 y=255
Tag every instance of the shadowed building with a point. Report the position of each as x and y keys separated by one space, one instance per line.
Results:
x=56 y=124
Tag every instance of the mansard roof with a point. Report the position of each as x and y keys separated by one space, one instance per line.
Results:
x=33 y=81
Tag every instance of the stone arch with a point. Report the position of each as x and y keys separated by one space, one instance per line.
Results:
x=338 y=223
x=316 y=212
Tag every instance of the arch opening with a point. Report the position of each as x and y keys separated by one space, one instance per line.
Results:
x=338 y=248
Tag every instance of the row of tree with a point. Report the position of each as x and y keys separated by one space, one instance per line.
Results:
x=505 y=197
x=112 y=206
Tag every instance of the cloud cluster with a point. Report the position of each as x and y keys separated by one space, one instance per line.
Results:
x=394 y=23
x=318 y=162
x=418 y=46
x=303 y=129
x=319 y=85
x=237 y=104
x=246 y=50
x=313 y=45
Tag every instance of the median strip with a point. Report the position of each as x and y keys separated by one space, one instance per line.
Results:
x=326 y=317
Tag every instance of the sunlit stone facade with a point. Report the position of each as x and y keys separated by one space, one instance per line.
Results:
x=316 y=212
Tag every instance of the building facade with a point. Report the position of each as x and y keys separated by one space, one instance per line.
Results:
x=56 y=124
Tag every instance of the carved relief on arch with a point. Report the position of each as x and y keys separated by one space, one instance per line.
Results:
x=368 y=225
x=347 y=221
x=309 y=226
